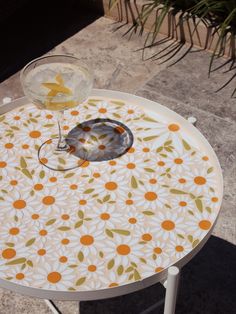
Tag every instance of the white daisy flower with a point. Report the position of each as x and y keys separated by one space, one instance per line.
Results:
x=132 y=220
x=55 y=276
x=199 y=224
x=167 y=225
x=82 y=201
x=182 y=204
x=34 y=134
x=92 y=285
x=154 y=266
x=50 y=200
x=63 y=255
x=16 y=204
x=199 y=181
x=201 y=158
x=17 y=117
x=155 y=248
x=8 y=147
x=123 y=249
x=150 y=196
x=146 y=150
x=43 y=233
x=86 y=239
x=178 y=162
x=112 y=279
x=178 y=248
x=7 y=164
x=105 y=216
x=163 y=132
x=212 y=201
x=19 y=250
x=92 y=268
x=114 y=185
x=179 y=181
x=102 y=110
x=14 y=181
x=130 y=165
x=42 y=252
x=13 y=231
x=20 y=276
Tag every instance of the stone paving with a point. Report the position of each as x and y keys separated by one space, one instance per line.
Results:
x=186 y=89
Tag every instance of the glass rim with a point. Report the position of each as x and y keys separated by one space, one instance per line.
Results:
x=66 y=97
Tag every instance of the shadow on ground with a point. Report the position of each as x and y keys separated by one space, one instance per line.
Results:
x=207 y=287
x=30 y=29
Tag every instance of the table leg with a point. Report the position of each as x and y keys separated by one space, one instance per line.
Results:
x=171 y=289
x=52 y=307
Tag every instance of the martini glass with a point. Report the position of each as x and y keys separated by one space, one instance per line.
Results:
x=57 y=83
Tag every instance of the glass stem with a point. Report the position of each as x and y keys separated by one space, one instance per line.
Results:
x=61 y=145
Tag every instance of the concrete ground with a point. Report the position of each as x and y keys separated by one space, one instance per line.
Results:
x=207 y=283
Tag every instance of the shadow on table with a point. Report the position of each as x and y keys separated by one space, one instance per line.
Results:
x=207 y=287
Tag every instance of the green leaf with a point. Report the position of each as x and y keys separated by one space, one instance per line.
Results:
x=136 y=275
x=149 y=170
x=101 y=254
x=106 y=198
x=27 y=173
x=80 y=281
x=159 y=149
x=143 y=260
x=78 y=224
x=199 y=205
x=134 y=182
x=209 y=170
x=154 y=257
x=109 y=233
x=71 y=289
x=10 y=244
x=180 y=236
x=116 y=102
x=167 y=143
x=42 y=174
x=208 y=209
x=122 y=232
x=50 y=222
x=23 y=163
x=191 y=212
x=190 y=238
x=117 y=115
x=195 y=243
x=48 y=125
x=134 y=264
x=2 y=118
x=129 y=269
x=15 y=128
x=30 y=242
x=81 y=214
x=186 y=145
x=110 y=264
x=69 y=175
x=80 y=256
x=149 y=119
x=64 y=228
x=88 y=191
x=73 y=266
x=131 y=276
x=150 y=138
x=120 y=270
x=30 y=263
x=61 y=161
x=175 y=191
x=20 y=260
x=148 y=213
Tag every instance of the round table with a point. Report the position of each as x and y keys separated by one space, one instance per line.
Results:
x=106 y=228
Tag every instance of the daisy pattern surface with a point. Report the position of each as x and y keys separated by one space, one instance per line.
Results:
x=104 y=224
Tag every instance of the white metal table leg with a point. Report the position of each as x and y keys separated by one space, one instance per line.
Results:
x=52 y=306
x=171 y=289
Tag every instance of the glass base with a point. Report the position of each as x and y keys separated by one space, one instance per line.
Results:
x=58 y=159
x=100 y=139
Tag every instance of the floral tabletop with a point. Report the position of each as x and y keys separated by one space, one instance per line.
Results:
x=104 y=224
